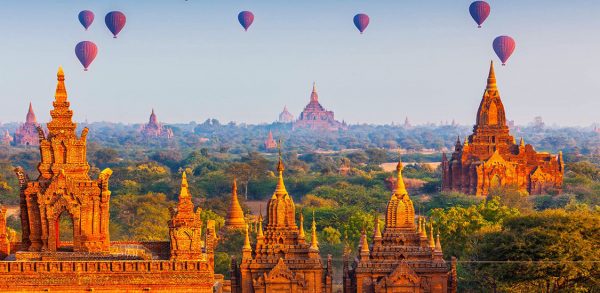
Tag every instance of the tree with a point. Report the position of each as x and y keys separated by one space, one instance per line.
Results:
x=549 y=251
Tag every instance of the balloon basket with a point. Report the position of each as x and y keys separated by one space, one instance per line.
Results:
x=85 y=69
x=503 y=64
x=114 y=37
x=478 y=26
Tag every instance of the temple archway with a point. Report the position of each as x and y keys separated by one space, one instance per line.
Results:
x=64 y=232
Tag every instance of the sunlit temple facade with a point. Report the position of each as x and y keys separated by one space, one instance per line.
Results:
x=491 y=157
x=282 y=259
x=42 y=262
x=28 y=133
x=315 y=117
x=155 y=129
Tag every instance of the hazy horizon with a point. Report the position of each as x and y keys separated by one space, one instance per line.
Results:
x=191 y=60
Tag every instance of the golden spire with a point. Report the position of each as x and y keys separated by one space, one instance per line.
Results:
x=431 y=241
x=301 y=235
x=377 y=233
x=314 y=244
x=260 y=225
x=247 y=240
x=423 y=228
x=61 y=91
x=280 y=189
x=400 y=188
x=438 y=244
x=419 y=225
x=184 y=193
x=235 y=214
x=364 y=244
x=522 y=142
x=491 y=81
x=466 y=142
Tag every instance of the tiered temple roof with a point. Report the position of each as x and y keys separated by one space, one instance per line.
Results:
x=403 y=258
x=27 y=133
x=491 y=157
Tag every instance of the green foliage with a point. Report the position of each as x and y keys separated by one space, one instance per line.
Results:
x=551 y=251
x=331 y=235
x=140 y=217
x=458 y=224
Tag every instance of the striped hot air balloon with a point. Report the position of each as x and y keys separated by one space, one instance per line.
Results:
x=115 y=21
x=504 y=46
x=361 y=21
x=86 y=52
x=86 y=18
x=480 y=10
x=246 y=18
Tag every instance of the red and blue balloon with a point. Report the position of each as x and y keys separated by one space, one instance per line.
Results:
x=246 y=18
x=504 y=46
x=361 y=21
x=86 y=18
x=115 y=21
x=86 y=52
x=480 y=10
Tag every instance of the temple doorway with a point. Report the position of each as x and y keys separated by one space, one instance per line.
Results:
x=64 y=232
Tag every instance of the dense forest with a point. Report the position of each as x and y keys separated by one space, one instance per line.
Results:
x=505 y=242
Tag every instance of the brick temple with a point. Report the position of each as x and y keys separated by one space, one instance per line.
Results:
x=404 y=258
x=282 y=259
x=491 y=157
x=270 y=143
x=27 y=133
x=315 y=117
x=155 y=129
x=285 y=116
x=41 y=262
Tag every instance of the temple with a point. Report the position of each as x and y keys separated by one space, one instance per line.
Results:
x=315 y=117
x=270 y=143
x=42 y=261
x=235 y=215
x=282 y=259
x=405 y=257
x=6 y=139
x=155 y=129
x=491 y=157
x=285 y=116
x=27 y=133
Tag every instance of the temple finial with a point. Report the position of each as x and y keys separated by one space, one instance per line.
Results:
x=491 y=81
x=400 y=187
x=377 y=233
x=438 y=244
x=431 y=241
x=184 y=186
x=302 y=234
x=314 y=243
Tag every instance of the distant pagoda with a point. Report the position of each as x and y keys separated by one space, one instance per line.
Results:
x=270 y=143
x=155 y=129
x=27 y=133
x=404 y=258
x=6 y=138
x=315 y=117
x=285 y=116
x=491 y=157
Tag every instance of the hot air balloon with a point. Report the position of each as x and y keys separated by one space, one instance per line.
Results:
x=246 y=18
x=361 y=21
x=115 y=21
x=86 y=18
x=86 y=53
x=504 y=46
x=480 y=10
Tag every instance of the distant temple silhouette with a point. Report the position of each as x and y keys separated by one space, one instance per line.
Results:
x=315 y=117
x=155 y=129
x=491 y=157
x=285 y=116
x=270 y=143
x=27 y=133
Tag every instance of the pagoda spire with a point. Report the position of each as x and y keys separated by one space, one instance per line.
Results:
x=377 y=234
x=260 y=225
x=400 y=187
x=423 y=228
x=235 y=215
x=491 y=80
x=301 y=234
x=314 y=243
x=30 y=115
x=431 y=240
x=438 y=244
x=280 y=188
x=61 y=123
x=185 y=207
x=314 y=96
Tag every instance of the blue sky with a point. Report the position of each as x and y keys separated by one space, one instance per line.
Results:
x=191 y=60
